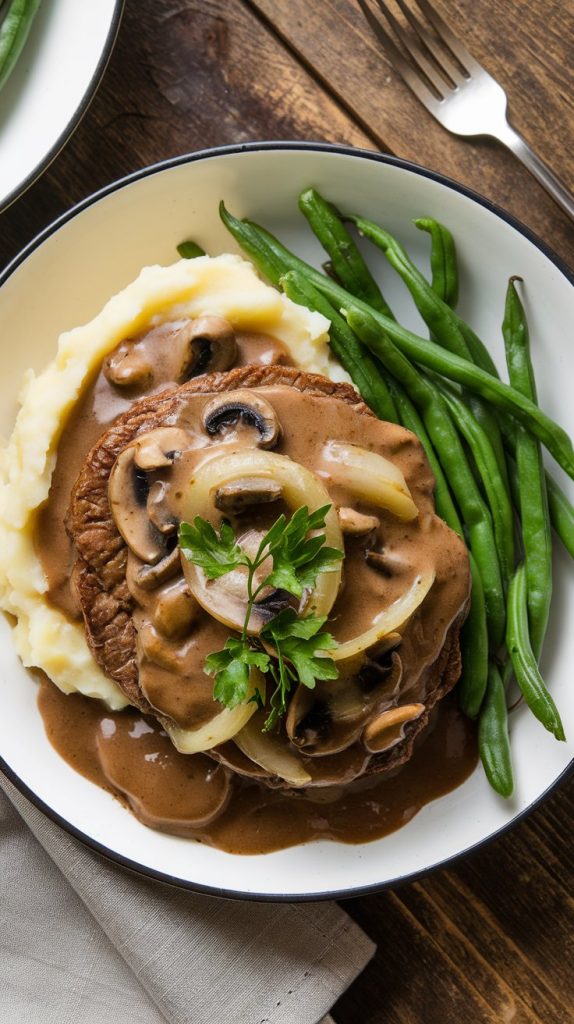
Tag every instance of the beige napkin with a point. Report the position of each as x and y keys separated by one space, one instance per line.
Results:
x=81 y=940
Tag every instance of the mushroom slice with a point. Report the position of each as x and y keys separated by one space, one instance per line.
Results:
x=354 y=523
x=308 y=720
x=128 y=366
x=370 y=477
x=299 y=486
x=235 y=497
x=232 y=408
x=127 y=494
x=270 y=753
x=159 y=448
x=158 y=509
x=222 y=727
x=329 y=718
x=387 y=728
x=389 y=621
x=175 y=611
x=148 y=577
x=207 y=345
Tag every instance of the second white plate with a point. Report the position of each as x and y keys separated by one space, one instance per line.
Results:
x=51 y=86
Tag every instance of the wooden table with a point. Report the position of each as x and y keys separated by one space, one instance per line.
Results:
x=488 y=940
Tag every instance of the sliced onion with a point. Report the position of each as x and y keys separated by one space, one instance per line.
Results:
x=270 y=753
x=388 y=621
x=222 y=727
x=299 y=487
x=370 y=477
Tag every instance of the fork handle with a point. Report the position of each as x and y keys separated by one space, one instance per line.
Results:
x=538 y=168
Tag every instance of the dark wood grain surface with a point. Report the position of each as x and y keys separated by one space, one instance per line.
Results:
x=488 y=941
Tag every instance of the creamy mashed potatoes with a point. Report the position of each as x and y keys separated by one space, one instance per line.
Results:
x=227 y=286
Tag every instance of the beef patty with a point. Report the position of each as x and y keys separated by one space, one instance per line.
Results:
x=100 y=570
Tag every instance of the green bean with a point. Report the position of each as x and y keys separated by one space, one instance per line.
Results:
x=190 y=250
x=347 y=262
x=561 y=513
x=560 y=508
x=493 y=741
x=474 y=648
x=362 y=370
x=274 y=264
x=453 y=459
x=478 y=350
x=534 y=514
x=444 y=267
x=14 y=30
x=274 y=260
x=462 y=372
x=524 y=663
x=439 y=318
x=494 y=487
x=435 y=312
x=409 y=418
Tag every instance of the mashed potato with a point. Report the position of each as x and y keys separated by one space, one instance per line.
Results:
x=225 y=285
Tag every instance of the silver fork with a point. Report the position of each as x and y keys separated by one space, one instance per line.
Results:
x=453 y=86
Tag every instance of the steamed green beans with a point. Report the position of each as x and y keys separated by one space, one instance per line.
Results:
x=444 y=268
x=494 y=486
x=274 y=260
x=474 y=648
x=434 y=311
x=493 y=741
x=355 y=359
x=534 y=514
x=528 y=677
x=439 y=318
x=14 y=30
x=346 y=260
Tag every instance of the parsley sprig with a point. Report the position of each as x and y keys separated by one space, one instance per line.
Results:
x=297 y=560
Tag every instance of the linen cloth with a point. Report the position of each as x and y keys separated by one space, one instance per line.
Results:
x=81 y=939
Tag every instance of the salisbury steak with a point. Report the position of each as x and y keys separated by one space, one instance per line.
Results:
x=159 y=668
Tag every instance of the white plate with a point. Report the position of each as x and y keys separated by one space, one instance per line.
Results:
x=51 y=86
x=63 y=279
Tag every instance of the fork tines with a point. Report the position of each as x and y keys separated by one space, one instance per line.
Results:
x=427 y=55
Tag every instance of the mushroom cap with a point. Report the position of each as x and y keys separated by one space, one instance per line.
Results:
x=128 y=366
x=128 y=492
x=207 y=345
x=246 y=408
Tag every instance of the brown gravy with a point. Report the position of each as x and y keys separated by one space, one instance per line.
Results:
x=129 y=755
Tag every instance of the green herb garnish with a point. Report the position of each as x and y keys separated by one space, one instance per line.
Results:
x=297 y=560
x=190 y=250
